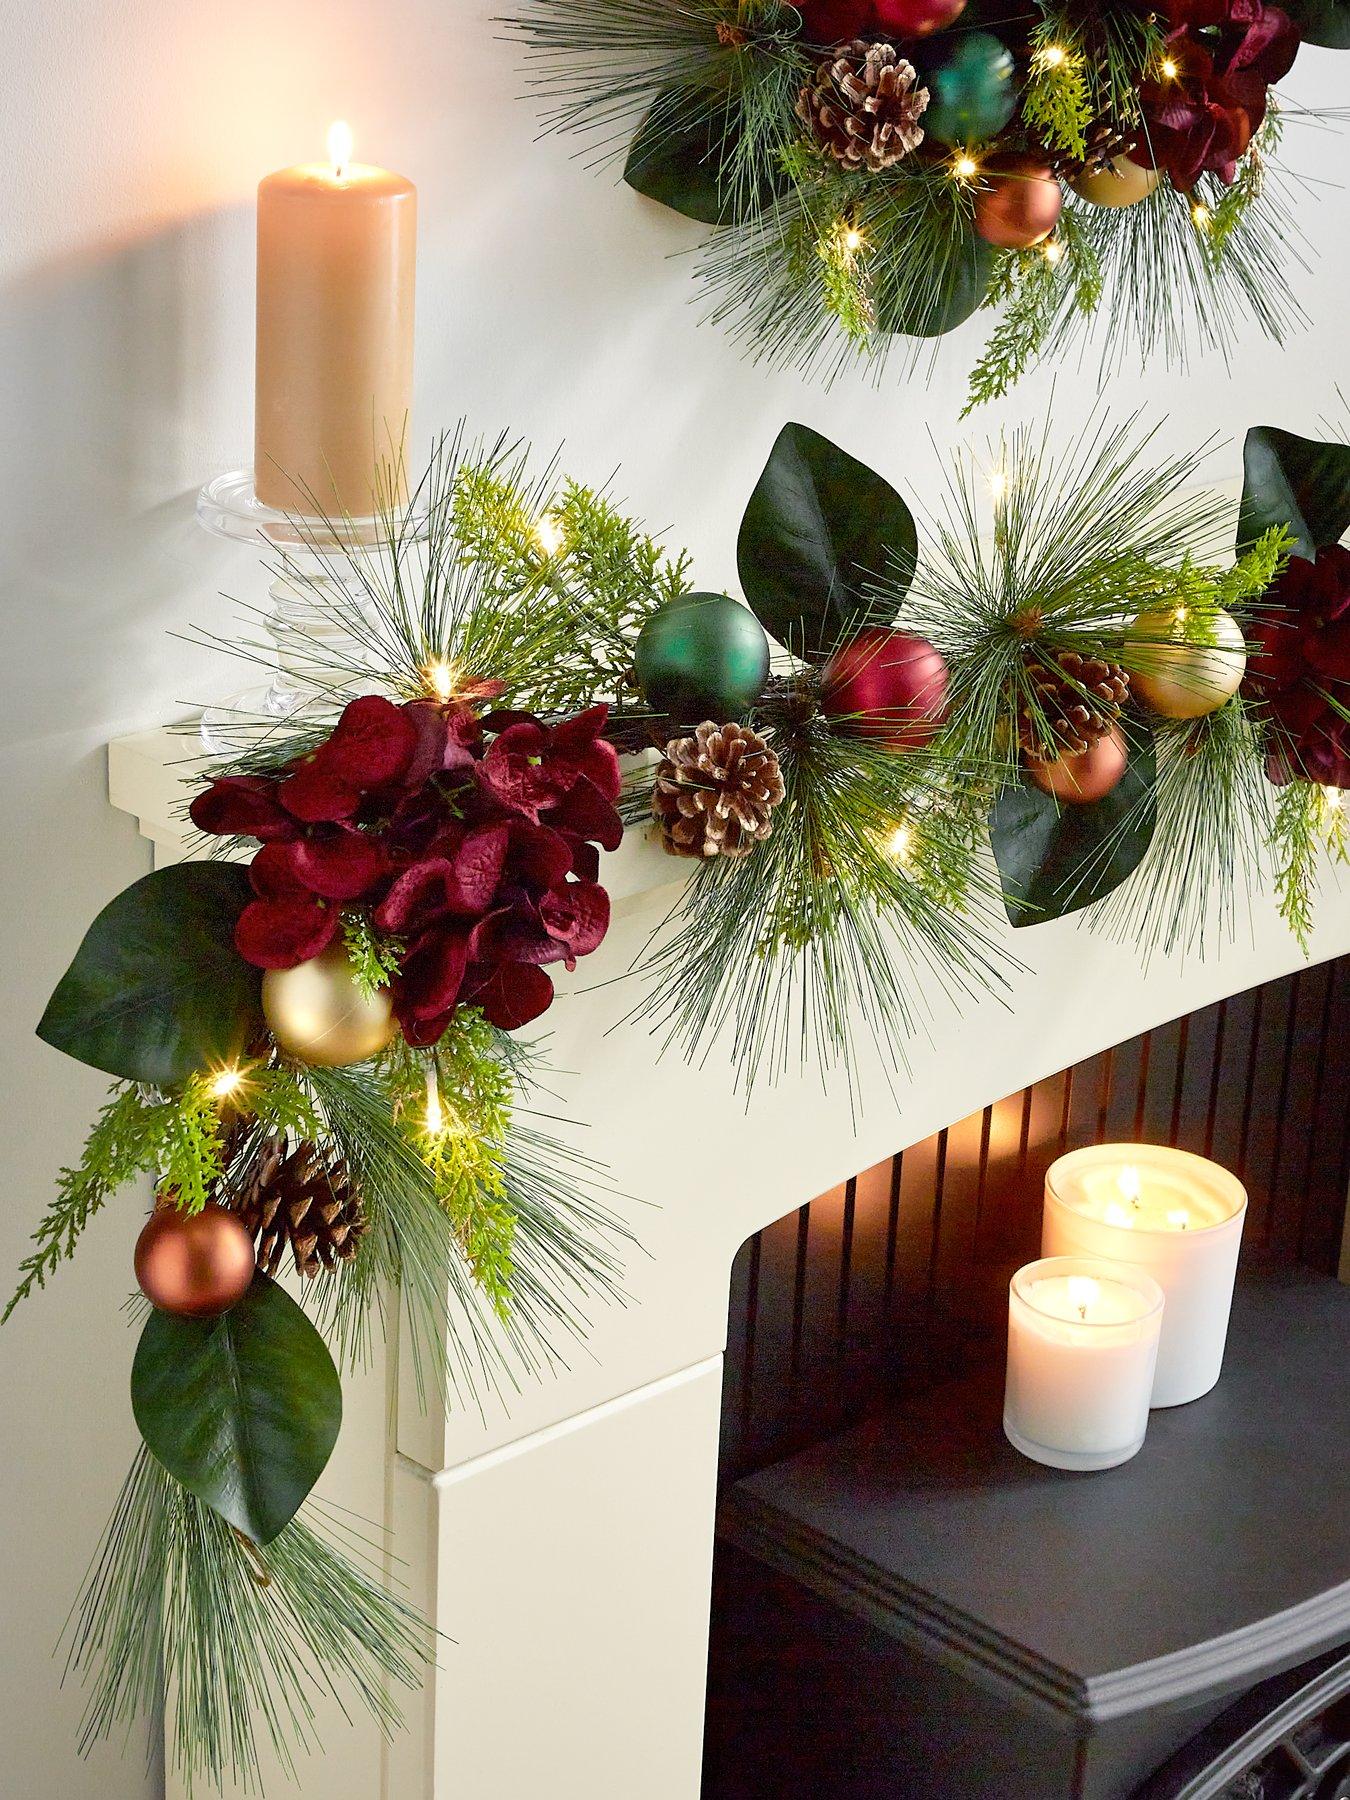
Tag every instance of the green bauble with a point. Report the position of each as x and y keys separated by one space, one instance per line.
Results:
x=702 y=656
x=972 y=90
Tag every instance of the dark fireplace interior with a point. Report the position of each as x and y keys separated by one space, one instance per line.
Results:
x=894 y=1284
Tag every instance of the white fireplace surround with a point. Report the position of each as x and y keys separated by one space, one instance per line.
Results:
x=563 y=1544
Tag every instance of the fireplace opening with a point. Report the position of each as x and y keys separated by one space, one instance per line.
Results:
x=891 y=1289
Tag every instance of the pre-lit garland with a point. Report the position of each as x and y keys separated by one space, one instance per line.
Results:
x=877 y=170
x=1082 y=707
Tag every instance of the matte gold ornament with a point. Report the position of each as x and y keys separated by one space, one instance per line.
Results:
x=1119 y=182
x=1196 y=671
x=319 y=1014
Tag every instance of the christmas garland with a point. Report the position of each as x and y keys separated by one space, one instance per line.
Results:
x=878 y=170
x=1091 y=707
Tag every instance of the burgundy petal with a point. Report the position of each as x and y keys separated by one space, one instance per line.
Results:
x=537 y=856
x=372 y=743
x=278 y=934
x=337 y=863
x=272 y=876
x=585 y=811
x=431 y=977
x=316 y=794
x=510 y=994
x=577 y=915
x=242 y=806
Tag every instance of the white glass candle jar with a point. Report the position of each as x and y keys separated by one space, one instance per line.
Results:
x=1174 y=1214
x=1082 y=1344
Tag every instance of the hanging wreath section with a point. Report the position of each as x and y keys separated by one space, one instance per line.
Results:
x=1070 y=695
x=878 y=170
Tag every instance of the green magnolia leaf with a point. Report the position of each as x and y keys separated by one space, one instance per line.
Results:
x=1325 y=22
x=820 y=529
x=942 y=296
x=243 y=1410
x=677 y=165
x=157 y=989
x=1052 y=860
x=1296 y=482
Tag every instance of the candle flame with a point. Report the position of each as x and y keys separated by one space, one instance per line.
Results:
x=1178 y=1218
x=1128 y=1183
x=340 y=145
x=1115 y=1214
x=1084 y=1293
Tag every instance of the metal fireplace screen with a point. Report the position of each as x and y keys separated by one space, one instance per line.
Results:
x=897 y=1277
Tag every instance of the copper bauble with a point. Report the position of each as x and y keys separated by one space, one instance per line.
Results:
x=1079 y=780
x=1019 y=203
x=1121 y=183
x=319 y=1014
x=887 y=685
x=1193 y=675
x=198 y=1264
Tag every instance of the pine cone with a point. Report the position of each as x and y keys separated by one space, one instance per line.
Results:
x=1104 y=140
x=715 y=791
x=1080 y=700
x=301 y=1198
x=863 y=105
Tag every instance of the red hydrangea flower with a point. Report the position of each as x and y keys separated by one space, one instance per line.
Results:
x=1227 y=53
x=475 y=841
x=1299 y=669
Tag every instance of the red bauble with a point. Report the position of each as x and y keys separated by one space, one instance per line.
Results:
x=1080 y=780
x=198 y=1264
x=916 y=18
x=1020 y=202
x=888 y=685
x=835 y=21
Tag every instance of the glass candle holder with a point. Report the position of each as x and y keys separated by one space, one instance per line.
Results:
x=1172 y=1213
x=1082 y=1346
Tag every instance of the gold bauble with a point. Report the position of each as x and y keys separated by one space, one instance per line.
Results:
x=318 y=1013
x=1194 y=673
x=1120 y=183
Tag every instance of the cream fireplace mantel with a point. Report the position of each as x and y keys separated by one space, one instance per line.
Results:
x=563 y=1543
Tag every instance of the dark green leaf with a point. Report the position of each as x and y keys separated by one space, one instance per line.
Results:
x=243 y=1410
x=1296 y=482
x=1053 y=860
x=677 y=165
x=1324 y=22
x=820 y=529
x=929 y=302
x=157 y=989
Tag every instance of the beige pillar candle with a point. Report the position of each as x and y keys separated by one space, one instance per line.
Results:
x=337 y=248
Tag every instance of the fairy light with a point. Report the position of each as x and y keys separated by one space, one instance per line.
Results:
x=549 y=533
x=1333 y=803
x=852 y=239
x=226 y=1082
x=442 y=677
x=900 y=844
x=965 y=167
x=435 y=1114
x=1052 y=56
x=1052 y=250
x=998 y=485
x=1201 y=216
x=1170 y=70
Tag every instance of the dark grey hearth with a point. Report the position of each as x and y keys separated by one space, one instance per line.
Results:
x=914 y=1610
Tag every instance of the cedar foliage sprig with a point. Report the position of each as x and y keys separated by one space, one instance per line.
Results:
x=1307 y=825
x=176 y=1138
x=375 y=957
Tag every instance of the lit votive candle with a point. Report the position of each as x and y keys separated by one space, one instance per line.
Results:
x=1176 y=1215
x=1082 y=1343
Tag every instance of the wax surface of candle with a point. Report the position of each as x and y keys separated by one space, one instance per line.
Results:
x=336 y=268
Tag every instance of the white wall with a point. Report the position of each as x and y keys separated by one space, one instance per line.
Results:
x=130 y=139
